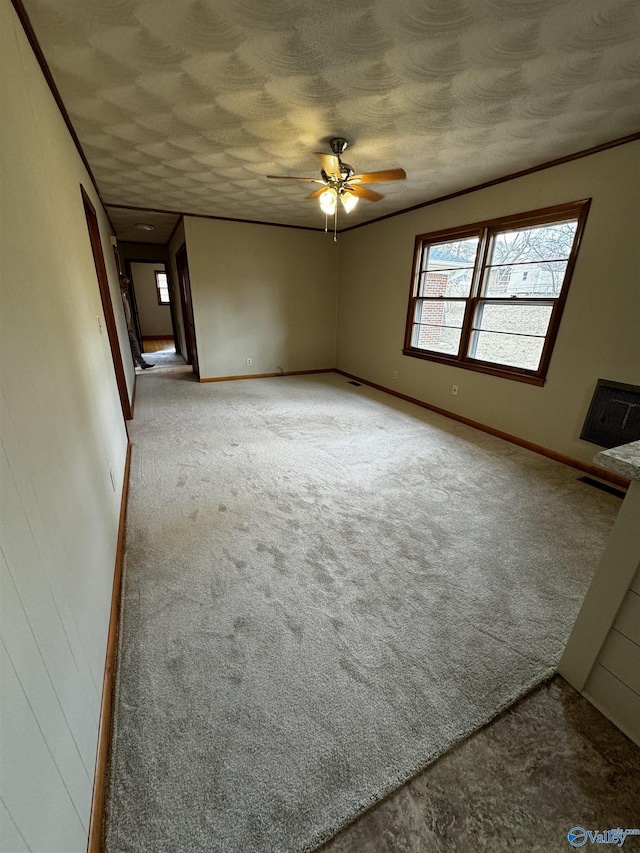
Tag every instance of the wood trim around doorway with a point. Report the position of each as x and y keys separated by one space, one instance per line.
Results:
x=186 y=304
x=107 y=305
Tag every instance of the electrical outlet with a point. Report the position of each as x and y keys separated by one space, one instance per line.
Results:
x=249 y=362
x=395 y=374
x=454 y=390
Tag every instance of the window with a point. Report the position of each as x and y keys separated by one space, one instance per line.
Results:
x=489 y=296
x=162 y=287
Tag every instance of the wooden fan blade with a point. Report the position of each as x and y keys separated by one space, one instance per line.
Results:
x=331 y=164
x=288 y=178
x=363 y=192
x=316 y=193
x=376 y=177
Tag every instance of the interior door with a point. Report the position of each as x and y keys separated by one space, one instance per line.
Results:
x=184 y=286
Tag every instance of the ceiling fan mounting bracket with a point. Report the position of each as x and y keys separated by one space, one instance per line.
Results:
x=338 y=145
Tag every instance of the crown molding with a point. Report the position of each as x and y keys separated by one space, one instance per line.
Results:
x=29 y=32
x=549 y=164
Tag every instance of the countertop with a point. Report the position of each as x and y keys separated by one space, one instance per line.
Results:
x=623 y=460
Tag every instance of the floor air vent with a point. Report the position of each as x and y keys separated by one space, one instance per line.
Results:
x=614 y=415
x=605 y=487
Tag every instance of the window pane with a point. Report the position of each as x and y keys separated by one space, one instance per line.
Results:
x=438 y=325
x=440 y=313
x=524 y=319
x=541 y=243
x=164 y=294
x=447 y=268
x=539 y=279
x=161 y=278
x=446 y=282
x=453 y=253
x=437 y=338
x=509 y=350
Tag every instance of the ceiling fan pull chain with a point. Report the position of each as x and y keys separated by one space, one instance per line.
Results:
x=335 y=225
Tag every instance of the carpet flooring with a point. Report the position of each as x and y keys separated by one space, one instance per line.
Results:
x=164 y=360
x=325 y=588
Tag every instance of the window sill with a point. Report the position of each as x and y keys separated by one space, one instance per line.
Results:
x=478 y=367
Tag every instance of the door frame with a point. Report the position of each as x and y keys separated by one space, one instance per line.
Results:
x=107 y=305
x=134 y=301
x=184 y=287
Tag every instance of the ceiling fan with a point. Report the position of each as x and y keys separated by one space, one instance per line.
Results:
x=339 y=180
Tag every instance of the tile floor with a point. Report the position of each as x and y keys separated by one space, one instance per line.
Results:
x=549 y=763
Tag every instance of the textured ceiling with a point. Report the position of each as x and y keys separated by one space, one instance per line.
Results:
x=126 y=223
x=187 y=104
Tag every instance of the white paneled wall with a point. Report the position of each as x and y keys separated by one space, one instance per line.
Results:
x=62 y=433
x=602 y=656
x=614 y=682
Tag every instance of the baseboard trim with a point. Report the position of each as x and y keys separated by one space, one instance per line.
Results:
x=96 y=820
x=588 y=468
x=267 y=375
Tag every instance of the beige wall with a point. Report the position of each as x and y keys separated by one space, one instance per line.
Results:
x=598 y=336
x=261 y=292
x=62 y=433
x=155 y=319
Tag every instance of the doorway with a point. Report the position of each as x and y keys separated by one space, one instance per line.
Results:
x=107 y=306
x=151 y=297
x=184 y=287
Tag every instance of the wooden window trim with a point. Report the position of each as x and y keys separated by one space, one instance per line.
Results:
x=484 y=231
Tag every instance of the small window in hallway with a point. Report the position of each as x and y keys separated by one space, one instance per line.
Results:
x=162 y=286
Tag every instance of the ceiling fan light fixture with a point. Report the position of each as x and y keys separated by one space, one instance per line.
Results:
x=349 y=201
x=328 y=201
x=340 y=180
